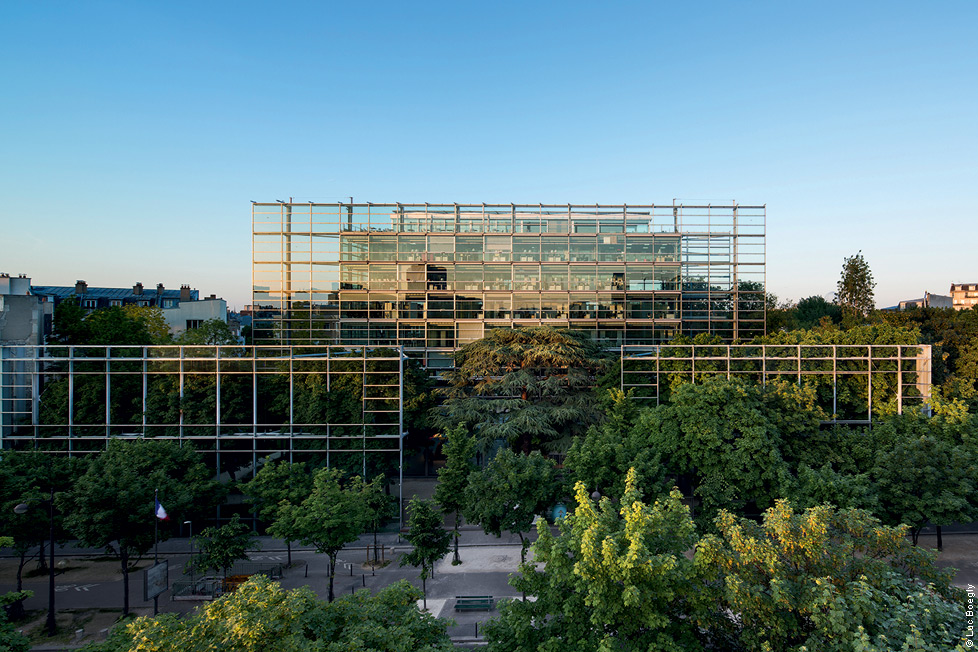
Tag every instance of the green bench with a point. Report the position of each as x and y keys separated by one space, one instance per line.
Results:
x=474 y=603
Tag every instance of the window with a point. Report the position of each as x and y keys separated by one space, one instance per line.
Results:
x=194 y=323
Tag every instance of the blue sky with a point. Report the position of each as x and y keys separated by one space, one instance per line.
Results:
x=134 y=135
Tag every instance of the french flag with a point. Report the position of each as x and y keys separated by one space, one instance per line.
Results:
x=160 y=511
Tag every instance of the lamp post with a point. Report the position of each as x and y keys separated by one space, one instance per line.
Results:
x=22 y=509
x=193 y=584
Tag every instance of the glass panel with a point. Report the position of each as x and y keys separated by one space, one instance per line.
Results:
x=441 y=307
x=553 y=249
x=554 y=277
x=611 y=248
x=353 y=247
x=410 y=247
x=412 y=307
x=640 y=278
x=665 y=308
x=667 y=278
x=583 y=278
x=468 y=307
x=498 y=277
x=353 y=306
x=582 y=249
x=411 y=277
x=666 y=250
x=411 y=334
x=383 y=247
x=383 y=277
x=497 y=306
x=639 y=308
x=440 y=277
x=639 y=249
x=611 y=306
x=526 y=277
x=499 y=248
x=554 y=306
x=383 y=306
x=441 y=248
x=468 y=248
x=526 y=249
x=611 y=277
x=353 y=277
x=441 y=335
x=583 y=306
x=468 y=277
x=526 y=306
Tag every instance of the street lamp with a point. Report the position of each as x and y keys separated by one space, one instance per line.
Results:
x=22 y=509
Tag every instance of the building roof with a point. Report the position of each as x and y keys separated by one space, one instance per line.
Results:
x=65 y=292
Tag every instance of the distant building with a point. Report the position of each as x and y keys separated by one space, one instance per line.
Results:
x=928 y=301
x=964 y=295
x=25 y=319
x=182 y=309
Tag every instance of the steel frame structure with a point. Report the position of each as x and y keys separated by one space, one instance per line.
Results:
x=903 y=372
x=26 y=372
x=432 y=277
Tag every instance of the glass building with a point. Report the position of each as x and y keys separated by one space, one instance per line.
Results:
x=432 y=277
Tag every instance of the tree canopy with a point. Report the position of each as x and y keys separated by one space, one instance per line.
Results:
x=532 y=387
x=854 y=291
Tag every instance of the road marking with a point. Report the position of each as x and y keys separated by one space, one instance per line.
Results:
x=76 y=587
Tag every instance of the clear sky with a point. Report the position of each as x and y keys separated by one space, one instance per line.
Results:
x=133 y=135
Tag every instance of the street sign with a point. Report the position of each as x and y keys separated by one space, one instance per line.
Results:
x=156 y=580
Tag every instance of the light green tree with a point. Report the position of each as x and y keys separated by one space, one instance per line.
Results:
x=330 y=517
x=615 y=578
x=824 y=579
x=276 y=482
x=510 y=492
x=379 y=507
x=261 y=616
x=152 y=319
x=453 y=478
x=220 y=547
x=431 y=541
x=210 y=332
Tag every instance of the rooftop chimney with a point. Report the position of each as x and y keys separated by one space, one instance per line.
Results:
x=184 y=293
x=81 y=287
x=137 y=289
x=159 y=288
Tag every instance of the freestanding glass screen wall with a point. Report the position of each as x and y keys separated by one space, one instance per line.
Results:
x=434 y=277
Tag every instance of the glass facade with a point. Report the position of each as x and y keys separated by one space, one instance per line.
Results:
x=433 y=277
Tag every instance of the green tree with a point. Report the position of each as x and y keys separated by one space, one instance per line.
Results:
x=28 y=477
x=262 y=616
x=111 y=505
x=274 y=483
x=510 y=492
x=719 y=433
x=105 y=326
x=811 y=310
x=532 y=387
x=10 y=639
x=453 y=478
x=427 y=534
x=379 y=506
x=824 y=579
x=602 y=458
x=211 y=332
x=926 y=470
x=330 y=517
x=152 y=319
x=854 y=291
x=616 y=578
x=220 y=547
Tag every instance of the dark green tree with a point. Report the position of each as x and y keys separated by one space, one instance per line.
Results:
x=602 y=458
x=274 y=483
x=431 y=541
x=330 y=517
x=379 y=507
x=811 y=310
x=854 y=291
x=220 y=547
x=532 y=387
x=453 y=478
x=112 y=504
x=510 y=492
x=210 y=332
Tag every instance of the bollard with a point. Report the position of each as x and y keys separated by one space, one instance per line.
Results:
x=364 y=578
x=477 y=630
x=351 y=590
